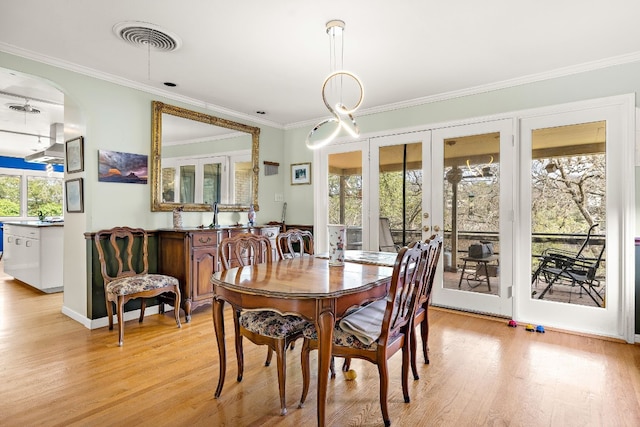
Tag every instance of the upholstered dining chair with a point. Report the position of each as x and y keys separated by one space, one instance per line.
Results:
x=124 y=264
x=377 y=331
x=433 y=247
x=262 y=327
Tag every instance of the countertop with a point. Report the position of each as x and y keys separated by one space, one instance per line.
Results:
x=36 y=223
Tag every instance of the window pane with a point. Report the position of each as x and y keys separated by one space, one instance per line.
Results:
x=211 y=185
x=44 y=195
x=187 y=184
x=243 y=183
x=345 y=194
x=10 y=195
x=168 y=185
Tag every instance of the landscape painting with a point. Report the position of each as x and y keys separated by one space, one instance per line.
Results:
x=114 y=166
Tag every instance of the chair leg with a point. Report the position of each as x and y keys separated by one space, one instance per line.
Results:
x=176 y=307
x=120 y=313
x=412 y=350
x=306 y=373
x=424 y=331
x=239 y=351
x=281 y=352
x=267 y=362
x=383 y=372
x=406 y=356
x=143 y=306
x=109 y=312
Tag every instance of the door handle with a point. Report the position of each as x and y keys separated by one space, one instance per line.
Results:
x=436 y=228
x=426 y=228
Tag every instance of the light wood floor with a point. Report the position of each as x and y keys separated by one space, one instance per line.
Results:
x=55 y=372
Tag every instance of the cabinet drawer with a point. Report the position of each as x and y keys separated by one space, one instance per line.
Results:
x=270 y=232
x=205 y=239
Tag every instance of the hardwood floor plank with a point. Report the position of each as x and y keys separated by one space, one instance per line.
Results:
x=55 y=372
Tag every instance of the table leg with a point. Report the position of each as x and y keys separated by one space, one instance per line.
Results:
x=325 y=325
x=218 y=324
x=464 y=267
x=486 y=271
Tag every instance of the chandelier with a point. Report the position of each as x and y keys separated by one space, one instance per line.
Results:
x=332 y=93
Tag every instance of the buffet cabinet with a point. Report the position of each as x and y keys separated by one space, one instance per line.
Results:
x=191 y=255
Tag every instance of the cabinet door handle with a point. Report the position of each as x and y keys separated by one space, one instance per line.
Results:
x=28 y=244
x=201 y=240
x=9 y=239
x=18 y=242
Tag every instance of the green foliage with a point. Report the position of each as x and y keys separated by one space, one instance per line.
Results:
x=9 y=208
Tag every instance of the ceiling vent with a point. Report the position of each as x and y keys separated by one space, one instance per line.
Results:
x=144 y=34
x=26 y=108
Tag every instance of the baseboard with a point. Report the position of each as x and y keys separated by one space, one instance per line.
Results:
x=104 y=321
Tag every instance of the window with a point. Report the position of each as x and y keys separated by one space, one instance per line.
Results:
x=26 y=193
x=208 y=179
x=10 y=194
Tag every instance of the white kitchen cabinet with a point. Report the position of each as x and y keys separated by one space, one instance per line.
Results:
x=33 y=253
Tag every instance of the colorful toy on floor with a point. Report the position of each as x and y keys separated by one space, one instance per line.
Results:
x=529 y=328
x=512 y=324
x=540 y=329
x=350 y=375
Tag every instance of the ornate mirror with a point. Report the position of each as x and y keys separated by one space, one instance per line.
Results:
x=198 y=159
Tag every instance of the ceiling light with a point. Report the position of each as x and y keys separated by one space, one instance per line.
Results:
x=342 y=116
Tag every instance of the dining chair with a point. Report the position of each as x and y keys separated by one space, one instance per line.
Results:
x=377 y=331
x=433 y=248
x=294 y=243
x=261 y=327
x=124 y=264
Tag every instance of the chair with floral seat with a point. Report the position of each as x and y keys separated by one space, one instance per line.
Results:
x=377 y=331
x=262 y=327
x=126 y=275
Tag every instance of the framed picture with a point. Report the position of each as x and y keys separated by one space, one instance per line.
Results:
x=114 y=166
x=74 y=195
x=74 y=149
x=301 y=173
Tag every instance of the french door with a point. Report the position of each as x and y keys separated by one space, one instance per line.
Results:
x=576 y=188
x=472 y=201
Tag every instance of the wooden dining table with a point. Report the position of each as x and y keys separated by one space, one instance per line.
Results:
x=306 y=286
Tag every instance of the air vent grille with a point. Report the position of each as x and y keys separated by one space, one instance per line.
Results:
x=26 y=108
x=146 y=35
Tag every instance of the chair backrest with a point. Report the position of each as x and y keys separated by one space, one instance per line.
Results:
x=404 y=291
x=294 y=243
x=587 y=241
x=116 y=248
x=244 y=249
x=431 y=253
x=386 y=239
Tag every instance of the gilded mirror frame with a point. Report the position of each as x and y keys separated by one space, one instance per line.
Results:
x=160 y=108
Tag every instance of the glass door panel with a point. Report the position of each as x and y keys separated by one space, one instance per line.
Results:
x=472 y=212
x=345 y=194
x=400 y=195
x=568 y=214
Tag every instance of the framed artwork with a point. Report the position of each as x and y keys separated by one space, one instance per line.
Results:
x=301 y=173
x=74 y=195
x=114 y=166
x=74 y=149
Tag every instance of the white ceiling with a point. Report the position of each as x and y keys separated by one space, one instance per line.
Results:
x=254 y=55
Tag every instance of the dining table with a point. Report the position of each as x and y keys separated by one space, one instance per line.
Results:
x=305 y=286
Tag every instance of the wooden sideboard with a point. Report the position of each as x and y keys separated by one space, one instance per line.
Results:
x=191 y=255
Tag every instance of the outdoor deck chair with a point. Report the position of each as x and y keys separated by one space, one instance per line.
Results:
x=386 y=239
x=574 y=269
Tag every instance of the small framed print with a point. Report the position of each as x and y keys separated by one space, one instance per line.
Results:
x=301 y=173
x=74 y=195
x=74 y=149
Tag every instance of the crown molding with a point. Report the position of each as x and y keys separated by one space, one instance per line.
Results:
x=531 y=78
x=69 y=66
x=505 y=84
